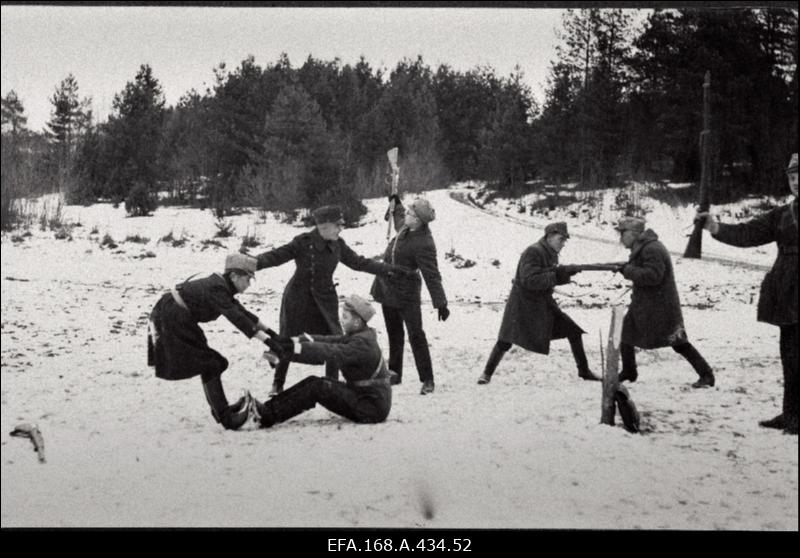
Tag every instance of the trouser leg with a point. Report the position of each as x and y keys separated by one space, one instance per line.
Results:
x=789 y=360
x=304 y=395
x=627 y=354
x=412 y=316
x=279 y=378
x=498 y=351
x=394 y=331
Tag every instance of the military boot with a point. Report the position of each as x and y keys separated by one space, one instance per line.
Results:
x=491 y=365
x=231 y=417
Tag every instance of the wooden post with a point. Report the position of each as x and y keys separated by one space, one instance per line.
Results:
x=611 y=367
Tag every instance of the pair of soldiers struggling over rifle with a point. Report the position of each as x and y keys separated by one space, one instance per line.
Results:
x=532 y=317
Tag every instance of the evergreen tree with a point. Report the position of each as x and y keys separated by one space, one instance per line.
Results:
x=70 y=116
x=135 y=133
x=13 y=114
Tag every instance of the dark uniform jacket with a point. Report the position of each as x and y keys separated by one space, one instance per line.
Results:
x=531 y=312
x=177 y=347
x=654 y=318
x=359 y=357
x=311 y=292
x=777 y=303
x=415 y=250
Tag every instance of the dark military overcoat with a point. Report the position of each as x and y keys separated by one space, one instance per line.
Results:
x=531 y=314
x=777 y=303
x=177 y=347
x=310 y=293
x=654 y=317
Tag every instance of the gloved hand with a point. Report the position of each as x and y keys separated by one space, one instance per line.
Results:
x=281 y=346
x=444 y=313
x=708 y=220
x=394 y=198
x=269 y=331
x=564 y=272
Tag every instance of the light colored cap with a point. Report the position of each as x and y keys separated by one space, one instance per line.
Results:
x=635 y=224
x=423 y=209
x=237 y=261
x=359 y=306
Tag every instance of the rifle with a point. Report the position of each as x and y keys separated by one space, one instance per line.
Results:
x=599 y=267
x=694 y=247
x=392 y=155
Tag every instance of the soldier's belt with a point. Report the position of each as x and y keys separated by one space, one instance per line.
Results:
x=372 y=382
x=178 y=298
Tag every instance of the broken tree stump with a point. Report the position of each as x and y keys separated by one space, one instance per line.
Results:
x=611 y=366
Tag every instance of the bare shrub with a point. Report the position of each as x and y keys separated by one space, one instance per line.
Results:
x=138 y=239
x=108 y=241
x=250 y=240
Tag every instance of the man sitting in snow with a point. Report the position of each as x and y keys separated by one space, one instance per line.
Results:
x=532 y=317
x=654 y=318
x=366 y=397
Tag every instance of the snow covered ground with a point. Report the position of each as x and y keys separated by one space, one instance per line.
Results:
x=526 y=451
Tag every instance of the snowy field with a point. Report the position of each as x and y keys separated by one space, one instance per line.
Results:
x=526 y=451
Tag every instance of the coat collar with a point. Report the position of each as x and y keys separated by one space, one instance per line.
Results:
x=320 y=243
x=549 y=249
x=644 y=239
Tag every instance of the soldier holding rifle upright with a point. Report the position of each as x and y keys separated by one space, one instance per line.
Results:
x=777 y=303
x=532 y=317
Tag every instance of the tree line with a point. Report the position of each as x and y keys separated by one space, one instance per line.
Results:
x=620 y=104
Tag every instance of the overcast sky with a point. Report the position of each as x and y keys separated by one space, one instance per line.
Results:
x=104 y=46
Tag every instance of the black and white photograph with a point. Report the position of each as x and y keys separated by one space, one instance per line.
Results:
x=399 y=267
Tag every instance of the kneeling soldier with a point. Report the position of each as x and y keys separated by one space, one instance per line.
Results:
x=177 y=347
x=367 y=395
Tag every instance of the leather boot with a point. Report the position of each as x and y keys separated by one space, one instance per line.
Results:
x=776 y=422
x=230 y=417
x=491 y=365
x=699 y=364
x=578 y=352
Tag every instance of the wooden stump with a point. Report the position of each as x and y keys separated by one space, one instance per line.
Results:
x=611 y=366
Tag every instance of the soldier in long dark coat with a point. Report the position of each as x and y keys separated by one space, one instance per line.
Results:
x=310 y=302
x=178 y=348
x=777 y=303
x=400 y=297
x=364 y=397
x=654 y=318
x=532 y=317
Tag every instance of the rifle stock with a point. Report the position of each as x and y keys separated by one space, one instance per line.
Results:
x=395 y=168
x=694 y=247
